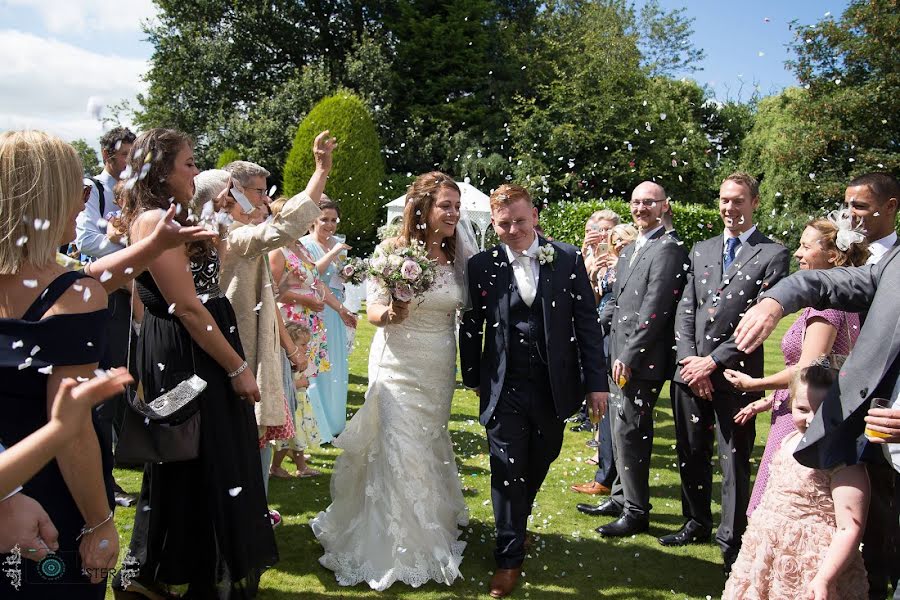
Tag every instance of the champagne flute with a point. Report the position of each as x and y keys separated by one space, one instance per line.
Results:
x=594 y=417
x=877 y=403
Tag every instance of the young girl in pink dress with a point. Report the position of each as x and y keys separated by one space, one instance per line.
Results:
x=803 y=539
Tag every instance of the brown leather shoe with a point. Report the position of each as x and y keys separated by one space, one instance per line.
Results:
x=593 y=488
x=504 y=582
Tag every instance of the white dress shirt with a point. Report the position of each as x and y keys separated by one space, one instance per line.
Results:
x=531 y=253
x=90 y=238
x=879 y=248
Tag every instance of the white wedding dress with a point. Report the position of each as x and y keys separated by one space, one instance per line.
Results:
x=397 y=503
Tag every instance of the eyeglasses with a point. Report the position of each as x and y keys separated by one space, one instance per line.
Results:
x=86 y=193
x=260 y=191
x=648 y=203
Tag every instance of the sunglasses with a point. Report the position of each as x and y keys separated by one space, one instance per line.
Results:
x=86 y=193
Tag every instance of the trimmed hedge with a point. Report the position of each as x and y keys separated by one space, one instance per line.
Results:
x=228 y=155
x=565 y=220
x=355 y=180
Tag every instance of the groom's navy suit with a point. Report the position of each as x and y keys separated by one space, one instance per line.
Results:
x=532 y=365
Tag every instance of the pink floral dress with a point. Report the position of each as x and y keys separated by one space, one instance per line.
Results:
x=301 y=276
x=788 y=535
x=847 y=325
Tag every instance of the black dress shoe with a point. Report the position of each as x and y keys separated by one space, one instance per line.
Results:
x=691 y=532
x=624 y=526
x=607 y=508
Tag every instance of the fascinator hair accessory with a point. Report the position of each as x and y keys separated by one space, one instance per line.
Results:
x=847 y=233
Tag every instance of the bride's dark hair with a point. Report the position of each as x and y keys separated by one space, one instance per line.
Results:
x=420 y=197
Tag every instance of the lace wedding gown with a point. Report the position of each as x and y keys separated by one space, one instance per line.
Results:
x=397 y=503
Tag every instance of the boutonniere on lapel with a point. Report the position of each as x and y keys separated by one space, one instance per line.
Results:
x=546 y=254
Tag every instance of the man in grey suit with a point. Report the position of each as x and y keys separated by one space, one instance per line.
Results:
x=639 y=320
x=726 y=274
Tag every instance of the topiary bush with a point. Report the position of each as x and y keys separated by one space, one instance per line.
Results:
x=564 y=221
x=228 y=155
x=355 y=180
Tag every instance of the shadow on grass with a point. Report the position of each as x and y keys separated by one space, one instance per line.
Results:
x=618 y=569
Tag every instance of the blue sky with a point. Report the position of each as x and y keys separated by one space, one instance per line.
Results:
x=742 y=46
x=63 y=56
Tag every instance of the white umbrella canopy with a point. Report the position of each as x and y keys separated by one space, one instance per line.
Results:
x=475 y=203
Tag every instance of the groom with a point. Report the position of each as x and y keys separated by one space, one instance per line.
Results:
x=543 y=349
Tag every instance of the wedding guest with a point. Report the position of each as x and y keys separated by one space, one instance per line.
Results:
x=57 y=319
x=247 y=280
x=803 y=540
x=303 y=297
x=595 y=251
x=825 y=243
x=649 y=281
x=330 y=389
x=596 y=248
x=726 y=273
x=873 y=199
x=220 y=544
x=619 y=236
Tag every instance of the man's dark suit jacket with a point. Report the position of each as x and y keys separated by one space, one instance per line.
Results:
x=574 y=340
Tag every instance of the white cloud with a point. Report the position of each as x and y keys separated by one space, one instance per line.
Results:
x=52 y=85
x=65 y=16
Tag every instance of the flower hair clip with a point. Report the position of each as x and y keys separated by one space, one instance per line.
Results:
x=847 y=233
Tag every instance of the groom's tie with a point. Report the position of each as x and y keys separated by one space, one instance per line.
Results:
x=525 y=281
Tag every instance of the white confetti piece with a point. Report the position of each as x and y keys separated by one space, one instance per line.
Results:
x=233 y=492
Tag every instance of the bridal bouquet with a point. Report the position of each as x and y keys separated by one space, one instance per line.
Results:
x=354 y=271
x=405 y=271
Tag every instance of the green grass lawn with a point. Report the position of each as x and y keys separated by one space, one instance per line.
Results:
x=570 y=560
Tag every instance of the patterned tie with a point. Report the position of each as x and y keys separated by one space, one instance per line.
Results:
x=526 y=283
x=731 y=246
x=637 y=249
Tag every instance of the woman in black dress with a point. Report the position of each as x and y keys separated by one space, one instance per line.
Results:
x=52 y=326
x=201 y=522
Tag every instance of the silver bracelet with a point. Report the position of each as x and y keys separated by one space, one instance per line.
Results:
x=291 y=354
x=89 y=530
x=238 y=371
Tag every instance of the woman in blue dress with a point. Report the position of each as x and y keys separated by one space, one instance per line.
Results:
x=330 y=389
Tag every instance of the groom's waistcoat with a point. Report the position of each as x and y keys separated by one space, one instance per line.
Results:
x=527 y=352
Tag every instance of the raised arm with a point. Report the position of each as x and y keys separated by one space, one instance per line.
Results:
x=115 y=270
x=818 y=341
x=850 y=289
x=287 y=226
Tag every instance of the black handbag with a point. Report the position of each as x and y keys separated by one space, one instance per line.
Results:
x=166 y=429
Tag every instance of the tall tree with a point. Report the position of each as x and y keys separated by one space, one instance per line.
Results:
x=90 y=163
x=809 y=142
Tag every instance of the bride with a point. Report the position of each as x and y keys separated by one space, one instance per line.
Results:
x=397 y=503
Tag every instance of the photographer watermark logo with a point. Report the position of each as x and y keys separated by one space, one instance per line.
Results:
x=52 y=568
x=12 y=567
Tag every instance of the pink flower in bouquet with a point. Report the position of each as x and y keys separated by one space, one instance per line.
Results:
x=411 y=270
x=348 y=270
x=403 y=292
